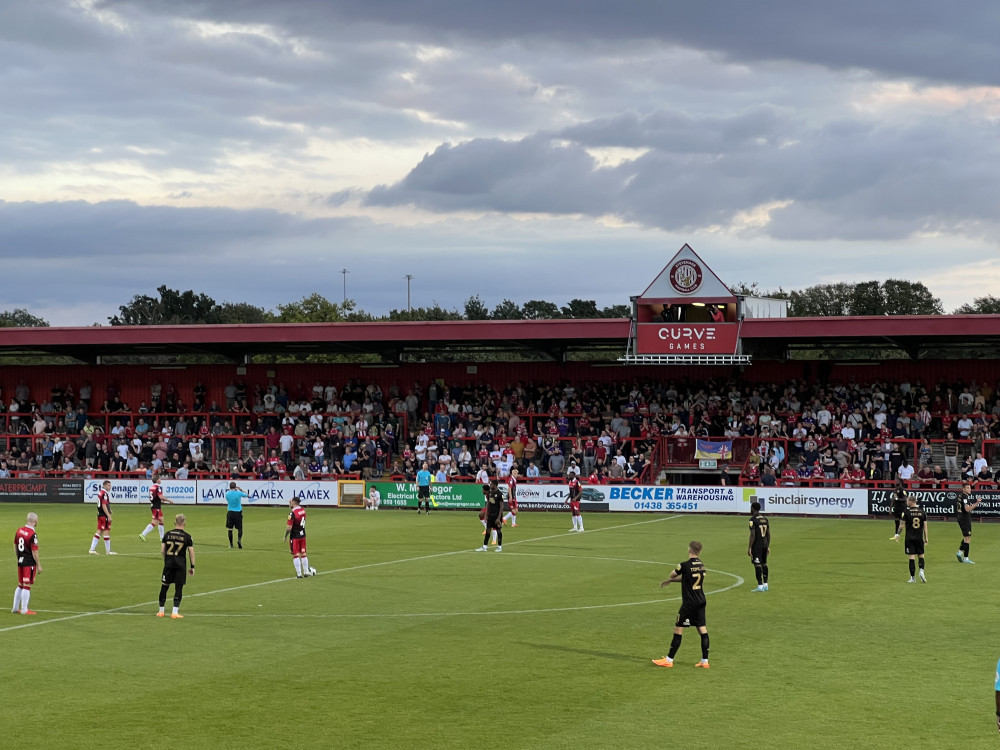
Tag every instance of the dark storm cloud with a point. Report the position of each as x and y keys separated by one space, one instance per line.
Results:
x=953 y=41
x=851 y=179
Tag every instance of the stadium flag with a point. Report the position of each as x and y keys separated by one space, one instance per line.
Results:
x=721 y=450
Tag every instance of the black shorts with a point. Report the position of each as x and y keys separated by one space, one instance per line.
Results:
x=174 y=575
x=965 y=526
x=493 y=522
x=424 y=491
x=691 y=615
x=897 y=512
x=914 y=546
x=759 y=555
x=234 y=519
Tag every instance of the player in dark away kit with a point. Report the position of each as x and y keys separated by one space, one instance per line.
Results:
x=691 y=574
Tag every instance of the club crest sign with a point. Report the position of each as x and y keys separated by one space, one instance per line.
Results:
x=686 y=276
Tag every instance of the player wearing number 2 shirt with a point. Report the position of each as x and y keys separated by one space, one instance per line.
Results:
x=295 y=533
x=26 y=552
x=103 y=519
x=691 y=574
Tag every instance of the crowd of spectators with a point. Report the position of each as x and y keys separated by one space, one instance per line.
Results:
x=603 y=431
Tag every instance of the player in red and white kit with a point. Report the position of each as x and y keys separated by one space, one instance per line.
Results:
x=575 y=491
x=156 y=500
x=28 y=566
x=512 y=498
x=295 y=533
x=103 y=519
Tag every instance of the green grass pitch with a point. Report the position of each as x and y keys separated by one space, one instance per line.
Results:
x=409 y=639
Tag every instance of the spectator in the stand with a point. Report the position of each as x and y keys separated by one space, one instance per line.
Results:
x=531 y=472
x=967 y=472
x=925 y=476
x=556 y=461
x=905 y=471
x=979 y=463
x=767 y=478
x=951 y=451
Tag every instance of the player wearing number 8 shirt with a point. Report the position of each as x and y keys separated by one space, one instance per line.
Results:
x=915 y=523
x=295 y=533
x=176 y=547
x=759 y=545
x=156 y=500
x=26 y=552
x=691 y=574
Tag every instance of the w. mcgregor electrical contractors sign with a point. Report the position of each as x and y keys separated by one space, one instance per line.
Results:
x=809 y=501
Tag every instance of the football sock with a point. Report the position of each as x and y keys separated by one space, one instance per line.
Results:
x=763 y=569
x=162 y=531
x=149 y=527
x=966 y=545
x=163 y=596
x=25 y=596
x=921 y=563
x=298 y=566
x=17 y=600
x=93 y=544
x=760 y=575
x=704 y=646
x=486 y=539
x=239 y=538
x=178 y=595
x=493 y=536
x=161 y=609
x=174 y=611
x=499 y=538
x=913 y=568
x=580 y=522
x=305 y=565
x=107 y=544
x=482 y=522
x=230 y=532
x=507 y=517
x=675 y=644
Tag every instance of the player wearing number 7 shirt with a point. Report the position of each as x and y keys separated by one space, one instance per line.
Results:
x=295 y=532
x=512 y=499
x=156 y=500
x=26 y=551
x=575 y=492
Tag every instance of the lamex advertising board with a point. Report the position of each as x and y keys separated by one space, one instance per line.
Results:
x=673 y=499
x=314 y=493
x=936 y=503
x=136 y=491
x=443 y=495
x=819 y=501
x=555 y=497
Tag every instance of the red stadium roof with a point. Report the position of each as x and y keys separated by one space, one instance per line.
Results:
x=762 y=336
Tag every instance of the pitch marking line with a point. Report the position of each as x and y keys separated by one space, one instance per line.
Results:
x=325 y=616
x=115 y=610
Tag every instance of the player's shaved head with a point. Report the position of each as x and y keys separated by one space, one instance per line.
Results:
x=179 y=520
x=32 y=518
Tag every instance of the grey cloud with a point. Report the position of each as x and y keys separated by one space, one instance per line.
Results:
x=852 y=179
x=940 y=41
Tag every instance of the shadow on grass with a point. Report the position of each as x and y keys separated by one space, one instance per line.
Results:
x=583 y=651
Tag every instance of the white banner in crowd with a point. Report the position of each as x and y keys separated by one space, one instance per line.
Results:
x=819 y=501
x=313 y=493
x=136 y=491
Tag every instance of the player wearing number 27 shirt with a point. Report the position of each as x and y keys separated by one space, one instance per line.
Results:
x=691 y=574
x=26 y=552
x=295 y=533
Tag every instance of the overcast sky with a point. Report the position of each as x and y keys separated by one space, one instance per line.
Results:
x=252 y=149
